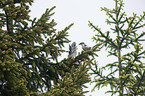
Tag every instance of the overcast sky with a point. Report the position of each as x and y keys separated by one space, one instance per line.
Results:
x=79 y=12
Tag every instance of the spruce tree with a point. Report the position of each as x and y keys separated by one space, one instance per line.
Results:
x=127 y=73
x=29 y=51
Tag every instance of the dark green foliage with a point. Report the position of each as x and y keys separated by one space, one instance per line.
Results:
x=17 y=1
x=73 y=79
x=29 y=51
x=129 y=66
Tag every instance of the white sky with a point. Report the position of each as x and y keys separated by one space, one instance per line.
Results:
x=79 y=12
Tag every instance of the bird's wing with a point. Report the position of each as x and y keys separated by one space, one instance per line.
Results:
x=85 y=48
x=72 y=50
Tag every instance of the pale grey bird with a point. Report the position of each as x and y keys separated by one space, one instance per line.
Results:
x=72 y=50
x=84 y=46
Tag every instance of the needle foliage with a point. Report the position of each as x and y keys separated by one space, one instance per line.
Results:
x=127 y=74
x=29 y=51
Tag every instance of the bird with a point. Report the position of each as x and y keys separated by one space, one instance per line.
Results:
x=72 y=50
x=84 y=46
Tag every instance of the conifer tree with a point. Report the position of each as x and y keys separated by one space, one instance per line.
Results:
x=29 y=51
x=127 y=73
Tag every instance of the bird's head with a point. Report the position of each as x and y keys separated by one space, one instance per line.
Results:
x=82 y=44
x=73 y=44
